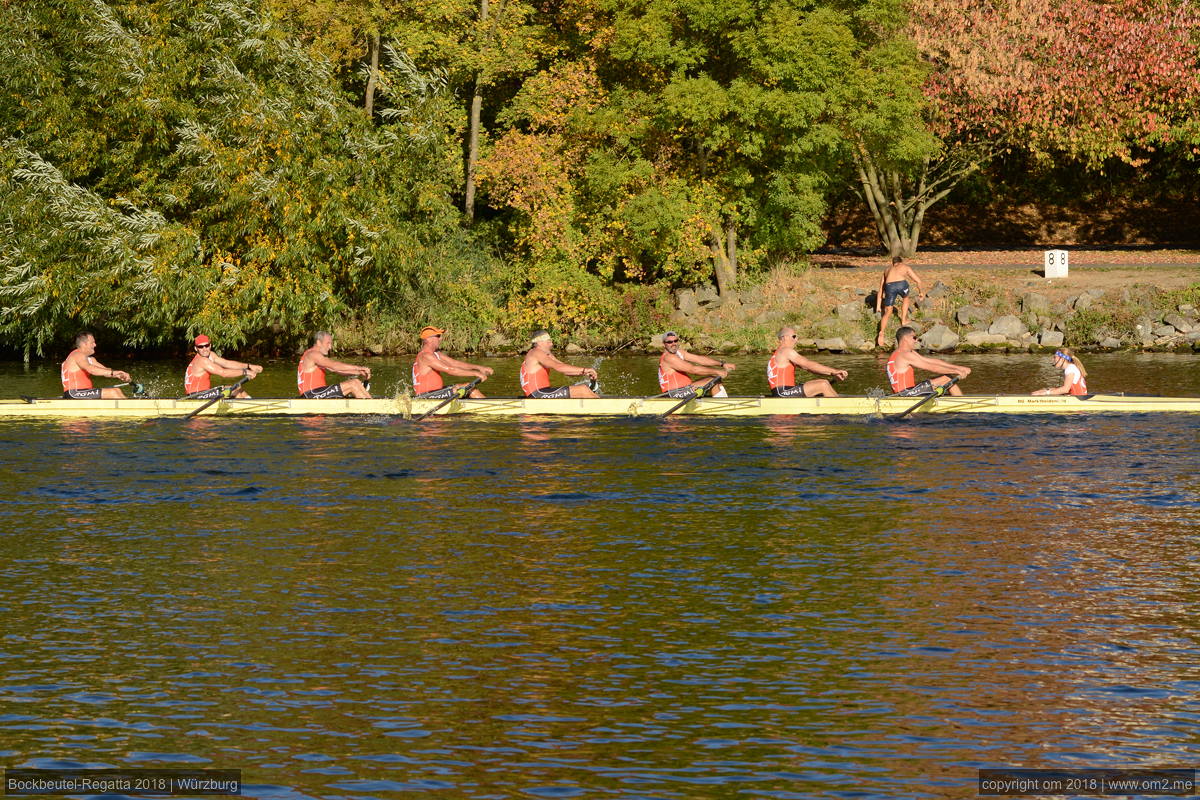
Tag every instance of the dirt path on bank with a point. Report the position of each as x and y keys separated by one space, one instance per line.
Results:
x=1029 y=258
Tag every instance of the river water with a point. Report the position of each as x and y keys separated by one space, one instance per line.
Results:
x=635 y=608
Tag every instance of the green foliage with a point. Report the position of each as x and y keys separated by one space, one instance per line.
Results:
x=1088 y=326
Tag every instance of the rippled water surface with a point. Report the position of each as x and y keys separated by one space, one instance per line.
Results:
x=353 y=608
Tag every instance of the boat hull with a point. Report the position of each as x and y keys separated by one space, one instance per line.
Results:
x=135 y=408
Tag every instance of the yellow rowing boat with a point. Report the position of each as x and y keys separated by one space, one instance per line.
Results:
x=138 y=408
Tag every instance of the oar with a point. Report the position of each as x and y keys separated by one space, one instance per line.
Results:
x=925 y=398
x=463 y=392
x=706 y=387
x=232 y=391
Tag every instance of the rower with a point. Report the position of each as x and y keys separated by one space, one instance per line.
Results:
x=1073 y=375
x=197 y=378
x=781 y=371
x=430 y=364
x=535 y=376
x=310 y=373
x=677 y=366
x=80 y=366
x=902 y=361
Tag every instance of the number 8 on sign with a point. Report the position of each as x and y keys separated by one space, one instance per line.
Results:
x=1054 y=264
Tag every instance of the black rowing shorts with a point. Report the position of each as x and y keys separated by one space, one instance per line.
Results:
x=924 y=387
x=324 y=393
x=558 y=393
x=82 y=394
x=788 y=391
x=445 y=393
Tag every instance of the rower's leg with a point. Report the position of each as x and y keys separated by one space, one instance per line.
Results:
x=112 y=393
x=355 y=388
x=819 y=387
x=581 y=390
x=942 y=380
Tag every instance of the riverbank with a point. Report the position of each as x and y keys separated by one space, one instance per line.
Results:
x=976 y=301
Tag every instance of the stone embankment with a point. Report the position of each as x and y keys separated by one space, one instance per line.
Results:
x=961 y=312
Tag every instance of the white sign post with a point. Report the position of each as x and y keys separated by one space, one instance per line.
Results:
x=1055 y=264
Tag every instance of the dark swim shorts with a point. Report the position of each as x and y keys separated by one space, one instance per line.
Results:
x=82 y=394
x=894 y=291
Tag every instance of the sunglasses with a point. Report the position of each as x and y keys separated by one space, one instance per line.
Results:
x=203 y=346
x=670 y=341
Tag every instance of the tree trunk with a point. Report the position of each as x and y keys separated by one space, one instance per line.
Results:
x=473 y=131
x=372 y=79
x=725 y=258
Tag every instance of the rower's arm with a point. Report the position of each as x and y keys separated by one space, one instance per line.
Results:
x=703 y=365
x=816 y=368
x=341 y=367
x=93 y=367
x=1064 y=389
x=461 y=369
x=553 y=363
x=937 y=365
x=224 y=372
x=238 y=368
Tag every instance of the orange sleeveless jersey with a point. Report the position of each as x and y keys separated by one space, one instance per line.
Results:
x=670 y=378
x=307 y=381
x=74 y=379
x=533 y=379
x=431 y=381
x=902 y=379
x=193 y=382
x=780 y=376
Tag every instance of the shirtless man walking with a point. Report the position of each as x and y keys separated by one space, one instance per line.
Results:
x=892 y=286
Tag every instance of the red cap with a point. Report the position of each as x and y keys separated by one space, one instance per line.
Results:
x=201 y=339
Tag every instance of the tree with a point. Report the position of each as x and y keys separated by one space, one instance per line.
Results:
x=1083 y=80
x=701 y=137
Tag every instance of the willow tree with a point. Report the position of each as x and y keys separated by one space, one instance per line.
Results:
x=195 y=166
x=1083 y=80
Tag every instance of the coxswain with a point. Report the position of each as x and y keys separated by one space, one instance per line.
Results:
x=430 y=364
x=677 y=368
x=905 y=357
x=535 y=375
x=197 y=378
x=310 y=373
x=80 y=366
x=1074 y=374
x=781 y=371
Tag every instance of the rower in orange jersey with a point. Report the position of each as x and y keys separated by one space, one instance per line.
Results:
x=430 y=364
x=310 y=373
x=535 y=375
x=677 y=368
x=901 y=363
x=78 y=368
x=197 y=378
x=781 y=371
